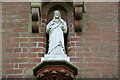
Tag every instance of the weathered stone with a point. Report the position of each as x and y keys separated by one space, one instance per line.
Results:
x=55 y=70
x=56 y=30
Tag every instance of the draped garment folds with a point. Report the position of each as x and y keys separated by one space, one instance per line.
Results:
x=56 y=32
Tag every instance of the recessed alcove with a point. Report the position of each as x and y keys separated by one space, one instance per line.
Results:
x=62 y=10
x=65 y=10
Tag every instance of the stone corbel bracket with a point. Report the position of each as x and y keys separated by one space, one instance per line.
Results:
x=78 y=15
x=35 y=11
x=55 y=70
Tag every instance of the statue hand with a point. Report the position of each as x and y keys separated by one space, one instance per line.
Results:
x=62 y=27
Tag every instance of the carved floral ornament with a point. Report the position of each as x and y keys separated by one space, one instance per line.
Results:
x=55 y=74
x=55 y=70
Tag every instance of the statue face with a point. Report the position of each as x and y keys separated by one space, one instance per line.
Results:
x=57 y=14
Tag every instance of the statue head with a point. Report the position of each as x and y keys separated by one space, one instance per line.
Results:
x=57 y=14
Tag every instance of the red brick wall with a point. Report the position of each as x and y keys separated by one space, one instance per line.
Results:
x=21 y=48
x=0 y=40
x=94 y=51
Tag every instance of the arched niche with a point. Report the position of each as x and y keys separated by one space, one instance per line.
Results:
x=62 y=10
x=64 y=16
x=66 y=10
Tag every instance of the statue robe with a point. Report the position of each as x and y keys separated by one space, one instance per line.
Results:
x=56 y=32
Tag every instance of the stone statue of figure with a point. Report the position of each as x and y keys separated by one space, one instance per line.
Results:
x=56 y=29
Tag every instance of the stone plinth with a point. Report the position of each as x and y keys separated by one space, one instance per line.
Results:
x=55 y=70
x=55 y=57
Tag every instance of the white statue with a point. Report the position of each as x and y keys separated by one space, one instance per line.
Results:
x=56 y=30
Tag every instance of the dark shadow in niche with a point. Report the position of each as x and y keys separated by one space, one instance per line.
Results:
x=50 y=15
x=65 y=40
x=47 y=42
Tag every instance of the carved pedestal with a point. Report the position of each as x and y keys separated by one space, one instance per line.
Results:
x=55 y=70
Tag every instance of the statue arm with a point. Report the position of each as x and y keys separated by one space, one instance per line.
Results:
x=47 y=28
x=65 y=27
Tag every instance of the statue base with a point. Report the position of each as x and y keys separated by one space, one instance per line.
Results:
x=55 y=70
x=55 y=57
